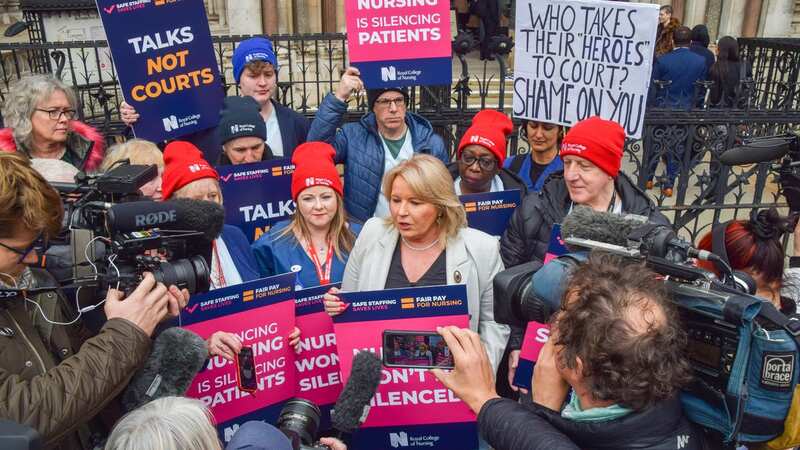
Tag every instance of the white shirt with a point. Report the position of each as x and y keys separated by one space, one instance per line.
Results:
x=274 y=139
x=229 y=271
x=497 y=185
x=389 y=162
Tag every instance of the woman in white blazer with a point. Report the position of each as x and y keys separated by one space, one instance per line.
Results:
x=426 y=242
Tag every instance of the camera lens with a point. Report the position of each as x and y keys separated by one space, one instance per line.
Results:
x=191 y=273
x=299 y=419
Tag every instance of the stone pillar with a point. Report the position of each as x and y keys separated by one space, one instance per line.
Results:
x=777 y=18
x=341 y=24
x=244 y=16
x=730 y=23
x=695 y=12
x=751 y=18
x=678 y=10
x=300 y=15
x=328 y=16
x=269 y=16
x=285 y=17
x=713 y=15
x=314 y=11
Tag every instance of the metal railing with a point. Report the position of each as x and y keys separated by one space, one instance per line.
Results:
x=704 y=191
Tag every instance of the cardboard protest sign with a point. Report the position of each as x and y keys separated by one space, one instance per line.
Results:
x=261 y=313
x=317 y=364
x=536 y=335
x=165 y=64
x=257 y=195
x=580 y=58
x=490 y=211
x=411 y=407
x=400 y=42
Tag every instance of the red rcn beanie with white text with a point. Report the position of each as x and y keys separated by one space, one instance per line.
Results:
x=597 y=140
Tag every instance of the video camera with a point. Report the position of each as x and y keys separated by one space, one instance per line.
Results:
x=299 y=420
x=170 y=239
x=743 y=382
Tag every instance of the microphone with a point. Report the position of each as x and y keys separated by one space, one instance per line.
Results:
x=177 y=356
x=757 y=151
x=585 y=223
x=629 y=235
x=178 y=214
x=352 y=406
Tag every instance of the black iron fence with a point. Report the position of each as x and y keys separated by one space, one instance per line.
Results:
x=689 y=139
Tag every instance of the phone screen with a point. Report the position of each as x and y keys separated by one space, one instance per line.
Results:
x=424 y=349
x=246 y=370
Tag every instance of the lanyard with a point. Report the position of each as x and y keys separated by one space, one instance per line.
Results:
x=326 y=277
x=220 y=276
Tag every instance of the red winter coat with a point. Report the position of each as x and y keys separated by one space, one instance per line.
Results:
x=84 y=143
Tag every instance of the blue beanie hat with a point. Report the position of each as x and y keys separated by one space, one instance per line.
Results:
x=253 y=49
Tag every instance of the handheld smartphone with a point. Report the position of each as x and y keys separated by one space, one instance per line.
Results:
x=246 y=370
x=417 y=349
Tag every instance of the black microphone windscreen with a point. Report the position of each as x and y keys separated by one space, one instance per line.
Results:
x=199 y=215
x=762 y=150
x=177 y=356
x=585 y=223
x=357 y=393
x=177 y=214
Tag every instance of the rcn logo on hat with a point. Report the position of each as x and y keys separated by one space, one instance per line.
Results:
x=256 y=56
x=477 y=139
x=570 y=147
x=314 y=181
x=194 y=168
x=242 y=128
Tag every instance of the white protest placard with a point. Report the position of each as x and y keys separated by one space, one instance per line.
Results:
x=580 y=58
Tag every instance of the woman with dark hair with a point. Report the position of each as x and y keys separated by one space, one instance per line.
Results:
x=754 y=246
x=534 y=167
x=727 y=73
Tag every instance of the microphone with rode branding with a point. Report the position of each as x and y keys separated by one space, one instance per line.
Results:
x=178 y=214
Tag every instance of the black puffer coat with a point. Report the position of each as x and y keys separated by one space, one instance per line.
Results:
x=507 y=425
x=528 y=234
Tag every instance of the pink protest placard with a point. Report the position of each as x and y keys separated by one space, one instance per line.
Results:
x=317 y=364
x=406 y=397
x=400 y=42
x=261 y=314
x=536 y=335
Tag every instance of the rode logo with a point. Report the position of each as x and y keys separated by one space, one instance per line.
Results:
x=157 y=218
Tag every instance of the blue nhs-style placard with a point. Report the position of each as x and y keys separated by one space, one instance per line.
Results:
x=164 y=59
x=491 y=211
x=257 y=195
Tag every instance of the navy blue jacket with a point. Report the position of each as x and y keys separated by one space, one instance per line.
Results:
x=276 y=254
x=359 y=147
x=703 y=51
x=683 y=67
x=293 y=126
x=556 y=165
x=240 y=252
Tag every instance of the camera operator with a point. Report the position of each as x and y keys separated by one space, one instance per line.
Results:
x=616 y=343
x=54 y=377
x=592 y=154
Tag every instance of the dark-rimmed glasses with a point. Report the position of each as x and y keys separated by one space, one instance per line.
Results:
x=38 y=245
x=486 y=162
x=55 y=114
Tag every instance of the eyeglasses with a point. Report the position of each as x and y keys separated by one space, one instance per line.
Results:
x=38 y=245
x=55 y=114
x=486 y=163
x=397 y=102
